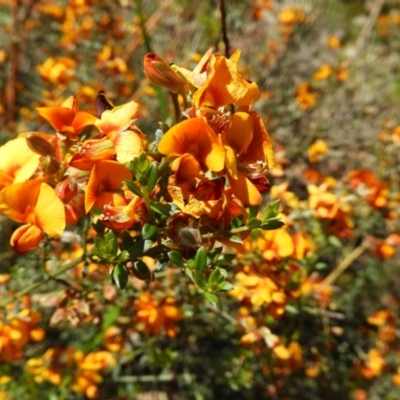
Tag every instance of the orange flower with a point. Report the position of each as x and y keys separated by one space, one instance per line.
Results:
x=57 y=70
x=378 y=190
x=274 y=245
x=316 y=150
x=67 y=120
x=105 y=181
x=260 y=290
x=248 y=153
x=198 y=198
x=194 y=136
x=17 y=162
x=224 y=85
x=155 y=316
x=305 y=96
x=291 y=16
x=36 y=204
x=325 y=71
x=118 y=125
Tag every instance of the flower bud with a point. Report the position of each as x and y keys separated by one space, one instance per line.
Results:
x=50 y=165
x=161 y=74
x=39 y=145
x=67 y=189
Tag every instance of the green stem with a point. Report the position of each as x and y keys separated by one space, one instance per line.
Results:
x=147 y=202
x=225 y=233
x=147 y=44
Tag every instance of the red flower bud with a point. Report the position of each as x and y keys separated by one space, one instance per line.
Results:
x=161 y=74
x=67 y=189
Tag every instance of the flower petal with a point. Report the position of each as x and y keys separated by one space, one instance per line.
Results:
x=106 y=176
x=18 y=201
x=119 y=118
x=244 y=190
x=194 y=136
x=58 y=117
x=128 y=145
x=49 y=212
x=17 y=162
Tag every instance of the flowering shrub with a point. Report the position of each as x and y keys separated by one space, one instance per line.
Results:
x=195 y=257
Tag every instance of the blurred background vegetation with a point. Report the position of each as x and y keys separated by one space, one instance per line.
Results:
x=316 y=306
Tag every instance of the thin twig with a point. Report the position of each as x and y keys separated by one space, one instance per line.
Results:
x=223 y=28
x=368 y=26
x=36 y=285
x=331 y=278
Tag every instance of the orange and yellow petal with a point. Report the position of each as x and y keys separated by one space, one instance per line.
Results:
x=244 y=190
x=119 y=118
x=194 y=136
x=18 y=201
x=240 y=132
x=58 y=117
x=49 y=212
x=128 y=145
x=106 y=176
x=225 y=85
x=17 y=162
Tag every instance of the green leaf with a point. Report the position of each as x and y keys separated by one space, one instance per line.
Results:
x=152 y=177
x=212 y=254
x=272 y=211
x=211 y=297
x=166 y=209
x=225 y=286
x=111 y=243
x=99 y=248
x=237 y=222
x=142 y=271
x=148 y=230
x=253 y=223
x=176 y=258
x=162 y=263
x=200 y=279
x=291 y=309
x=335 y=242
x=215 y=278
x=271 y=225
x=133 y=188
x=140 y=166
x=236 y=239
x=253 y=212
x=123 y=256
x=139 y=248
x=200 y=260
x=120 y=275
x=320 y=265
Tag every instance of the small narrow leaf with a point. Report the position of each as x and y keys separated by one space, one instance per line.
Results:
x=253 y=212
x=148 y=231
x=271 y=225
x=176 y=258
x=139 y=248
x=253 y=223
x=133 y=188
x=120 y=275
x=200 y=260
x=153 y=176
x=163 y=209
x=211 y=297
x=142 y=271
x=271 y=211
x=111 y=243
